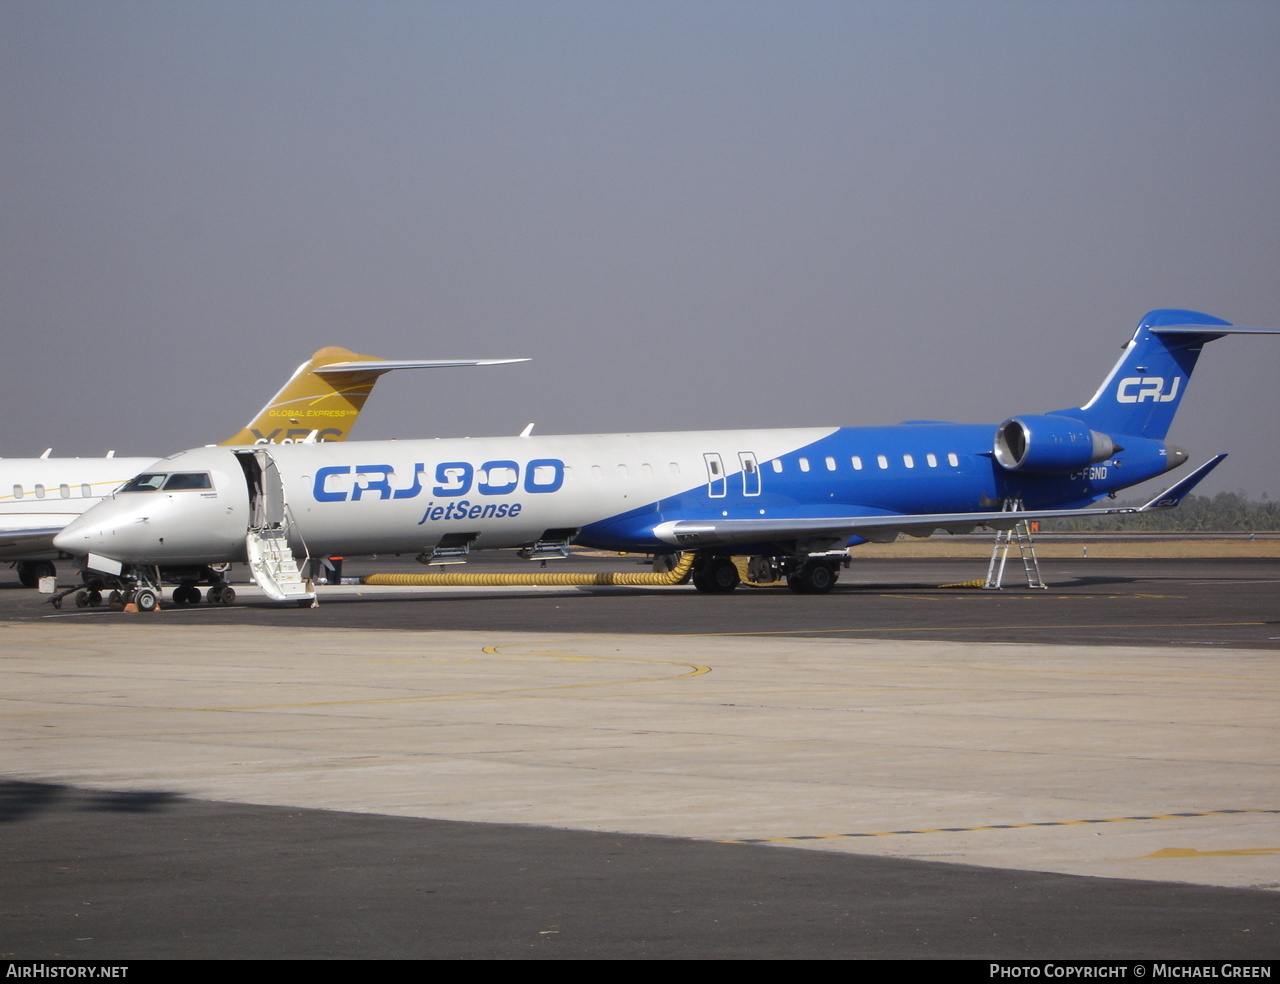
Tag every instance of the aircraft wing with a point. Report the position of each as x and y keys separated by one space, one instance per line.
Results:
x=884 y=528
x=23 y=543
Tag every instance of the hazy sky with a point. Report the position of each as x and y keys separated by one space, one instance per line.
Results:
x=690 y=214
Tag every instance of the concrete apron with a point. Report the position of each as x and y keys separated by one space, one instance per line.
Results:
x=1149 y=763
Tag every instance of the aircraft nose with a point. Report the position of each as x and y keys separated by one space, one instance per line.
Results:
x=75 y=535
x=101 y=530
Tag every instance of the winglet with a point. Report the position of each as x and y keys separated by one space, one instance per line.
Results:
x=325 y=395
x=1174 y=495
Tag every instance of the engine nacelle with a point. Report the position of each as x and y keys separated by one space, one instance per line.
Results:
x=1048 y=443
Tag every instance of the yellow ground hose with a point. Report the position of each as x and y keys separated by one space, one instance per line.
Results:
x=677 y=575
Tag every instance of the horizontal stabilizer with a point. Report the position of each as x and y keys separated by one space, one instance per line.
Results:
x=388 y=365
x=1211 y=330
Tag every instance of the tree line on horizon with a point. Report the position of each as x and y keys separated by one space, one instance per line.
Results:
x=1226 y=512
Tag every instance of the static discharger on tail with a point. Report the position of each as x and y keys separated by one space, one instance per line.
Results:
x=791 y=500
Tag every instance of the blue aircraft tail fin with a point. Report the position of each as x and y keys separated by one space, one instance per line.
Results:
x=1142 y=392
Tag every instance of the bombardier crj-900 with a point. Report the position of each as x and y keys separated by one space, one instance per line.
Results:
x=319 y=402
x=785 y=498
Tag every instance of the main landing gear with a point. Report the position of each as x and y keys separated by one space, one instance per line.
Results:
x=805 y=574
x=817 y=575
x=219 y=593
x=715 y=575
x=31 y=571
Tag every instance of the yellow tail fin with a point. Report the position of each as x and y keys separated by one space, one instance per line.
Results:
x=312 y=405
x=325 y=395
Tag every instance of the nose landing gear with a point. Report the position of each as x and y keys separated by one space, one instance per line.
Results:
x=141 y=586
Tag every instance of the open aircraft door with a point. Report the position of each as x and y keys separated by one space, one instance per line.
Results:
x=267 y=540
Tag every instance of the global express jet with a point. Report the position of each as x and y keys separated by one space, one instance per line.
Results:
x=319 y=402
x=786 y=498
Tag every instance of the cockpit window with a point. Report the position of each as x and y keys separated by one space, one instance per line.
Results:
x=177 y=482
x=146 y=482
x=188 y=480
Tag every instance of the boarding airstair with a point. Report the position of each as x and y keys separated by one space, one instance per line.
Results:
x=275 y=568
x=268 y=540
x=1019 y=533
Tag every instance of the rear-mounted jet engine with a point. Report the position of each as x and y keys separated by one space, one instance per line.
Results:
x=1048 y=443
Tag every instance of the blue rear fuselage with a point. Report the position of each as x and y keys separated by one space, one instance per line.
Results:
x=892 y=470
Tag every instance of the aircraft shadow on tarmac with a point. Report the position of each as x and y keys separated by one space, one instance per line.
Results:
x=28 y=800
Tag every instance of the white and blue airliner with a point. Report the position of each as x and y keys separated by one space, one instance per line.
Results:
x=787 y=498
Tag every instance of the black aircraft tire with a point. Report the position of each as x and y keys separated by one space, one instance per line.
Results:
x=815 y=577
x=665 y=563
x=717 y=576
x=31 y=571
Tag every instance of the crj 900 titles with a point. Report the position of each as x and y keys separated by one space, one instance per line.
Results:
x=451 y=480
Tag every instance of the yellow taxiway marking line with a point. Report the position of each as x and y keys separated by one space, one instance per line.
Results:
x=514 y=693
x=993 y=826
x=693 y=670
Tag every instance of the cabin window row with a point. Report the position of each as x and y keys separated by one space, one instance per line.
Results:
x=64 y=491
x=931 y=460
